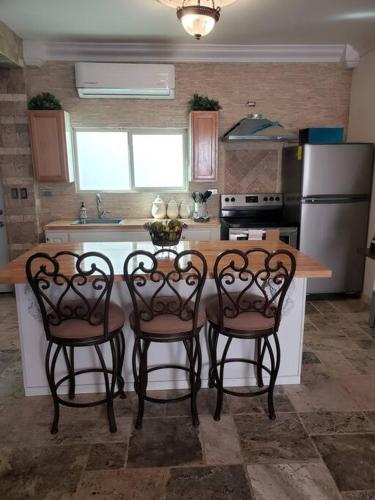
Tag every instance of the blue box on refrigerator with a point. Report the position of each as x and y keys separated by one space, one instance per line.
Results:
x=321 y=135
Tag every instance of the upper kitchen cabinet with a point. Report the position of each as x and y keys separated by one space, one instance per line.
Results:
x=204 y=137
x=51 y=142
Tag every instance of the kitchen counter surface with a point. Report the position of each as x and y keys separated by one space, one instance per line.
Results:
x=127 y=223
x=14 y=272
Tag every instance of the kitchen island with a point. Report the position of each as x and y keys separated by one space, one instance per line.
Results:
x=32 y=337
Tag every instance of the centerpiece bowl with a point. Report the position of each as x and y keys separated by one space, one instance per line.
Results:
x=166 y=233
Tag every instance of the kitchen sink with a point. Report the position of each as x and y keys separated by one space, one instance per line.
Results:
x=96 y=221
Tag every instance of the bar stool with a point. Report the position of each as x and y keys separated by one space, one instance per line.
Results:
x=251 y=288
x=77 y=312
x=166 y=288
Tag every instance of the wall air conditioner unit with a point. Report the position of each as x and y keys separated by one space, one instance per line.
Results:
x=125 y=81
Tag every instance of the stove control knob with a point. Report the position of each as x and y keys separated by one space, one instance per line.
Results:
x=271 y=198
x=227 y=199
x=233 y=199
x=277 y=198
x=265 y=198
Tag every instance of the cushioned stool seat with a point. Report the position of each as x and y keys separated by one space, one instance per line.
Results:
x=246 y=322
x=169 y=325
x=81 y=329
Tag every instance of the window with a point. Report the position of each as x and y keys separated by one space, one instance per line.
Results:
x=131 y=160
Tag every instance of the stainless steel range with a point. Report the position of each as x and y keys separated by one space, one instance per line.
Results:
x=247 y=216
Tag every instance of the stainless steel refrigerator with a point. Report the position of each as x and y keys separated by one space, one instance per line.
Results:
x=3 y=242
x=327 y=190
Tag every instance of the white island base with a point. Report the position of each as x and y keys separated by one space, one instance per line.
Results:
x=34 y=345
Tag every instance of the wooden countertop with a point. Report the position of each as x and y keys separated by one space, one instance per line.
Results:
x=126 y=224
x=14 y=272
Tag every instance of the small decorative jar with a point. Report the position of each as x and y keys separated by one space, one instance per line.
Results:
x=158 y=209
x=186 y=209
x=172 y=210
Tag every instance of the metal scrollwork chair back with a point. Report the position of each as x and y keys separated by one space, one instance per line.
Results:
x=166 y=289
x=154 y=281
x=73 y=292
x=264 y=278
x=62 y=298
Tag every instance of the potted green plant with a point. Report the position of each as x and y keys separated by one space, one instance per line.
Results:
x=44 y=101
x=203 y=103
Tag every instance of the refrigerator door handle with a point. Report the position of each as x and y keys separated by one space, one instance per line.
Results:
x=334 y=199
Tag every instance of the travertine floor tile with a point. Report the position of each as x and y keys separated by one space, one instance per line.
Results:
x=126 y=484
x=41 y=473
x=362 y=360
x=309 y=357
x=105 y=456
x=335 y=364
x=206 y=402
x=350 y=306
x=325 y=307
x=319 y=392
x=350 y=459
x=294 y=481
x=361 y=389
x=273 y=441
x=336 y=422
x=328 y=339
x=208 y=483
x=164 y=442
x=358 y=495
x=220 y=440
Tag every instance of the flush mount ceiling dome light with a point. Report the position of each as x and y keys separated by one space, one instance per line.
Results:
x=198 y=17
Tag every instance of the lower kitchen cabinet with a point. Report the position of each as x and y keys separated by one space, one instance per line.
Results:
x=76 y=236
x=199 y=234
x=57 y=237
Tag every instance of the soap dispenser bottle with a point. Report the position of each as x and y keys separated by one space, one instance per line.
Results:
x=83 y=213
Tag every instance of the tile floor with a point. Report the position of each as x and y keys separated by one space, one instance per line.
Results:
x=321 y=446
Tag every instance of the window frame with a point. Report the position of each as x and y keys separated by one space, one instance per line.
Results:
x=130 y=132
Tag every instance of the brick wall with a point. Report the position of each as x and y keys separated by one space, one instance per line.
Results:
x=298 y=95
x=15 y=162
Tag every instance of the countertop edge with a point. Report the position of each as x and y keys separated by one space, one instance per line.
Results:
x=129 y=223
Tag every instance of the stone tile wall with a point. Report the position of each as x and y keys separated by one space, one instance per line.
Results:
x=298 y=95
x=15 y=162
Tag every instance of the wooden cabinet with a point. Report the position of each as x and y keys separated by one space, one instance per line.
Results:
x=51 y=143
x=204 y=138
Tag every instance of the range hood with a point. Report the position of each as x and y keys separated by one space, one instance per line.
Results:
x=257 y=128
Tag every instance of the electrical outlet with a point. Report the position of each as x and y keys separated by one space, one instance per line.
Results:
x=213 y=191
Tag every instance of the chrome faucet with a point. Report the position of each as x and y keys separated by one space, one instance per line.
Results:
x=101 y=212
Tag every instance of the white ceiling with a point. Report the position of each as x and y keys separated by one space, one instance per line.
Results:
x=244 y=22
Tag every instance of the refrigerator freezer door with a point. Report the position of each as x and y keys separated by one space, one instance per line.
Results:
x=335 y=234
x=337 y=169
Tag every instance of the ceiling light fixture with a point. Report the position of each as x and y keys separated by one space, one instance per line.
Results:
x=198 y=20
x=198 y=17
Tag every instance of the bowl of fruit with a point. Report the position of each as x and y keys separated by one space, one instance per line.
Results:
x=165 y=233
